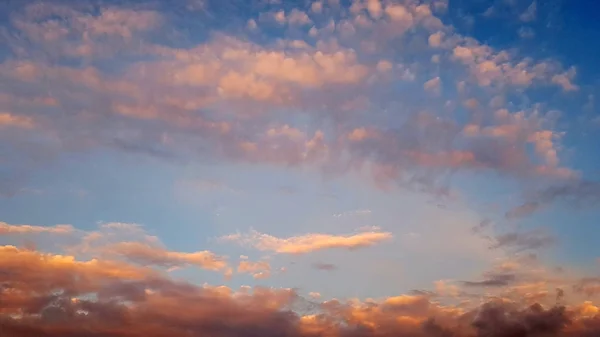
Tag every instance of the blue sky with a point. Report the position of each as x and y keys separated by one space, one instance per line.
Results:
x=389 y=140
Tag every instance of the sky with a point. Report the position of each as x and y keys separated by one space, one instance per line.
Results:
x=422 y=168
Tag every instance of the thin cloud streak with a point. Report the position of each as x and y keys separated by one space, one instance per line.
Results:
x=311 y=242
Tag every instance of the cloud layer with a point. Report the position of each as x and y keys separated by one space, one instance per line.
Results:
x=234 y=94
x=104 y=298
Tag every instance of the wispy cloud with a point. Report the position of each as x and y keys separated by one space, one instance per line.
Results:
x=146 y=254
x=324 y=266
x=8 y=229
x=309 y=242
x=258 y=270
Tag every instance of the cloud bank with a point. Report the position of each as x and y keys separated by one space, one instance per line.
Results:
x=103 y=298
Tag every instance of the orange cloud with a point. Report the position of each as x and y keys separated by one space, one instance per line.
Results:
x=212 y=95
x=11 y=120
x=310 y=242
x=259 y=269
x=146 y=254
x=116 y=299
x=8 y=229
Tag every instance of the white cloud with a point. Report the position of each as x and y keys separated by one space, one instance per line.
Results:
x=530 y=13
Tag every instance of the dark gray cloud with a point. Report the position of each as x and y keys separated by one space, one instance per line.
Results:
x=324 y=266
x=492 y=280
x=589 y=286
x=523 y=210
x=573 y=193
x=526 y=240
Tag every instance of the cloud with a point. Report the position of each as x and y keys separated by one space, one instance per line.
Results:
x=589 y=286
x=573 y=192
x=259 y=269
x=433 y=85
x=146 y=254
x=565 y=80
x=522 y=210
x=309 y=242
x=9 y=120
x=8 y=229
x=324 y=266
x=495 y=280
x=435 y=39
x=526 y=33
x=119 y=242
x=530 y=13
x=314 y=295
x=533 y=239
x=170 y=100
x=88 y=297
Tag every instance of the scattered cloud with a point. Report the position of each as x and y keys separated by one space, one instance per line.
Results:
x=231 y=72
x=258 y=270
x=433 y=85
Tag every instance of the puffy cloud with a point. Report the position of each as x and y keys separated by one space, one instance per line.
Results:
x=309 y=242
x=314 y=295
x=433 y=85
x=316 y=6
x=66 y=31
x=565 y=80
x=498 y=68
x=116 y=299
x=22 y=268
x=375 y=8
x=233 y=96
x=435 y=39
x=298 y=17
x=119 y=242
x=259 y=269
